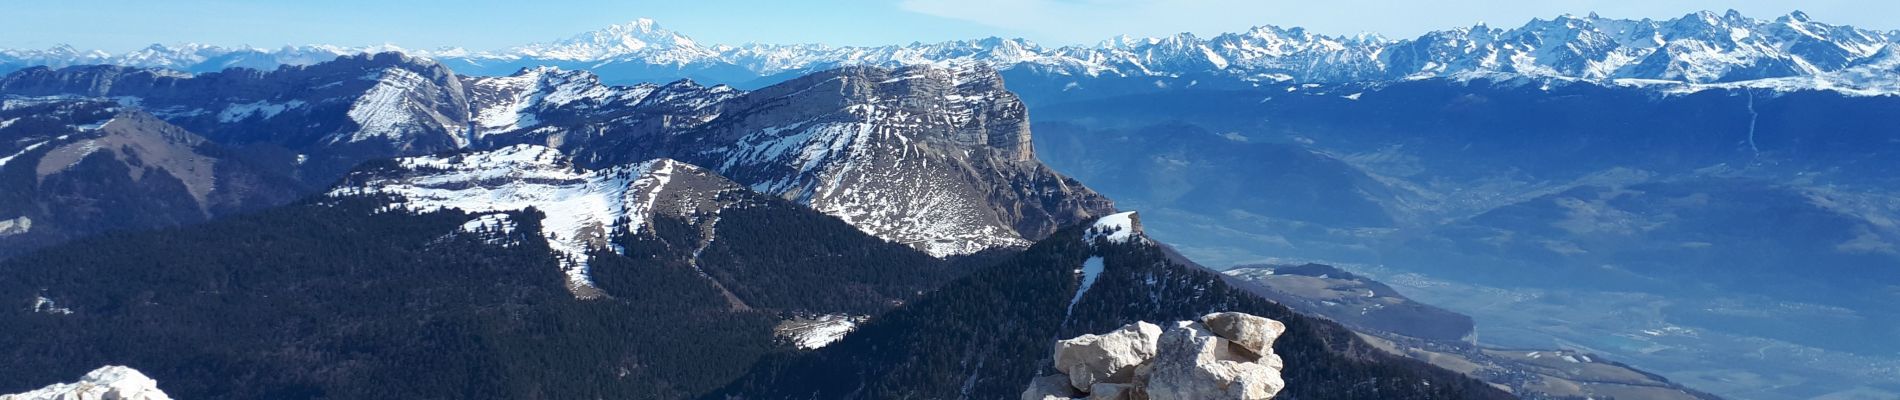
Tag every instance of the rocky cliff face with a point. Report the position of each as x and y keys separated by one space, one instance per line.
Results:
x=1225 y=355
x=935 y=158
x=110 y=382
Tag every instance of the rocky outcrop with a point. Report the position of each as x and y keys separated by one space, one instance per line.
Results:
x=1255 y=334
x=1199 y=364
x=1225 y=355
x=110 y=382
x=1110 y=357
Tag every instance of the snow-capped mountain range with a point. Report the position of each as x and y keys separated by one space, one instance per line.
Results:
x=938 y=159
x=1696 y=49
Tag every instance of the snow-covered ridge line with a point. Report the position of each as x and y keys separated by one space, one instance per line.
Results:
x=581 y=207
x=1699 y=48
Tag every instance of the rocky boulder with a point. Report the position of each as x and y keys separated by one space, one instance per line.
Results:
x=1112 y=391
x=1050 y=387
x=1197 y=364
x=1109 y=357
x=111 y=382
x=1253 y=333
x=1219 y=356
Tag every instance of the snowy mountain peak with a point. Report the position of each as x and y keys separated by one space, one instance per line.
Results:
x=1700 y=48
x=109 y=382
x=583 y=210
x=639 y=35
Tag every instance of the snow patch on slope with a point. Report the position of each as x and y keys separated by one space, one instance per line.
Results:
x=381 y=111
x=522 y=93
x=29 y=148
x=581 y=207
x=390 y=109
x=262 y=109
x=1116 y=228
x=491 y=228
x=10 y=227
x=1090 y=269
x=489 y=223
x=42 y=304
x=816 y=332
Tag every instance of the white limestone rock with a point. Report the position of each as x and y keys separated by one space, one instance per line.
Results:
x=1106 y=358
x=1251 y=332
x=1222 y=356
x=1194 y=363
x=111 y=382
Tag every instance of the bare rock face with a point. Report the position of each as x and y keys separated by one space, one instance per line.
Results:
x=1106 y=358
x=936 y=158
x=1221 y=356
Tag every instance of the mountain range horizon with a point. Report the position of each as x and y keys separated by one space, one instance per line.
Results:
x=654 y=24
x=1689 y=208
x=1694 y=52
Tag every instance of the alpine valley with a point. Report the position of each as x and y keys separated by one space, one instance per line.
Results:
x=1581 y=207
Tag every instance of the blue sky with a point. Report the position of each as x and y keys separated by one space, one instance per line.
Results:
x=119 y=25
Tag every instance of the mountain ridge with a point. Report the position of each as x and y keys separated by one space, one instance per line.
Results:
x=934 y=157
x=1791 y=51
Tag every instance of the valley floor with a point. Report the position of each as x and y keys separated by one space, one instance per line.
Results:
x=1643 y=334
